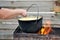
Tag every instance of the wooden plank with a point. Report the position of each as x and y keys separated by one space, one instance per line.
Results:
x=27 y=0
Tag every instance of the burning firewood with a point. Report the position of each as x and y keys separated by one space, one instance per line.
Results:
x=46 y=29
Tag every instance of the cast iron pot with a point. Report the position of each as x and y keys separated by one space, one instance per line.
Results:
x=30 y=26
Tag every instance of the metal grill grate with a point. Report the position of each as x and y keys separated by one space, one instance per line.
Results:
x=28 y=36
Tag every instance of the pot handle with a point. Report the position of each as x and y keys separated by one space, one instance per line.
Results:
x=36 y=7
x=37 y=10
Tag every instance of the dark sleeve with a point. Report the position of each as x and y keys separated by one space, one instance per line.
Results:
x=0 y=7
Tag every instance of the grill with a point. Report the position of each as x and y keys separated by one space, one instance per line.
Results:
x=33 y=36
x=29 y=36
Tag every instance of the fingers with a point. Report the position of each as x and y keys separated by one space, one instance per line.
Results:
x=21 y=12
x=24 y=13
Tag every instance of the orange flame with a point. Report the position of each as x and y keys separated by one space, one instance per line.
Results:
x=46 y=29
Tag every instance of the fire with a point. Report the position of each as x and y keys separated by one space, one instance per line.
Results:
x=46 y=29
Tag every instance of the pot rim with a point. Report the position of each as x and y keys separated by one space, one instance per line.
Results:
x=30 y=19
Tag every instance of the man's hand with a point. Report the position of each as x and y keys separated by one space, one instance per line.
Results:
x=11 y=13
x=21 y=12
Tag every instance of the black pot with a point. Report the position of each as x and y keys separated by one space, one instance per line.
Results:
x=31 y=26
